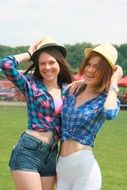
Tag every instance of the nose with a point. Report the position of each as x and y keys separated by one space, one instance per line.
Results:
x=90 y=69
x=47 y=66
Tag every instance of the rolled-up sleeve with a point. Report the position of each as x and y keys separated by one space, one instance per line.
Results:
x=9 y=67
x=111 y=113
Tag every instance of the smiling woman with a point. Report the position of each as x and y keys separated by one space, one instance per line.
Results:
x=83 y=115
x=49 y=68
x=33 y=159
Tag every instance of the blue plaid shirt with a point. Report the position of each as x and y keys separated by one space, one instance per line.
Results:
x=40 y=104
x=83 y=123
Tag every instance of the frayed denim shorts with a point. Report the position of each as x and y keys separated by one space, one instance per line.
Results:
x=32 y=154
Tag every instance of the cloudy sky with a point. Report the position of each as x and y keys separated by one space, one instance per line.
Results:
x=68 y=21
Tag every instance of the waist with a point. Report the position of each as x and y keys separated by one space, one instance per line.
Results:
x=71 y=146
x=43 y=136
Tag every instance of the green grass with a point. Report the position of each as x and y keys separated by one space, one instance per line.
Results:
x=12 y=124
x=111 y=153
x=110 y=147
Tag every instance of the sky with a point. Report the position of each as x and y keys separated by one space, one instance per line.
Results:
x=68 y=21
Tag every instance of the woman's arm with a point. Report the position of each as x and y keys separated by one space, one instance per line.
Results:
x=22 y=57
x=9 y=66
x=111 y=100
x=27 y=55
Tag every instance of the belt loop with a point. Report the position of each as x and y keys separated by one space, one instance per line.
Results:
x=41 y=144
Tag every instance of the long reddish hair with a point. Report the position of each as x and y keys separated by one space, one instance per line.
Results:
x=104 y=72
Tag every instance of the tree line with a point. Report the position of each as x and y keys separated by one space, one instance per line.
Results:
x=75 y=54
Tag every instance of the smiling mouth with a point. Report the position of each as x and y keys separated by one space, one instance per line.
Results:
x=47 y=73
x=89 y=77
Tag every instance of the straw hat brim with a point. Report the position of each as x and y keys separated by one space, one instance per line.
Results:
x=87 y=51
x=46 y=46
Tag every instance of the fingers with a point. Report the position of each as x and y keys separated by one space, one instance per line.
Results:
x=73 y=89
x=35 y=46
x=114 y=68
x=119 y=70
x=75 y=86
x=38 y=43
x=117 y=75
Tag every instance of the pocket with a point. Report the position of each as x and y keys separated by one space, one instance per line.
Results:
x=30 y=144
x=13 y=155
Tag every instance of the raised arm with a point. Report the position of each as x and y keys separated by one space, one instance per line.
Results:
x=27 y=55
x=111 y=100
x=9 y=66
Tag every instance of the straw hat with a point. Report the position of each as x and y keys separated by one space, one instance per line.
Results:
x=48 y=42
x=107 y=50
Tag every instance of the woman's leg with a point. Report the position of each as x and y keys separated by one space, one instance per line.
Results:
x=28 y=167
x=48 y=182
x=48 y=172
x=66 y=172
x=78 y=171
x=89 y=174
x=25 y=180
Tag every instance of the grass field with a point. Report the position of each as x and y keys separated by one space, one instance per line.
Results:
x=110 y=147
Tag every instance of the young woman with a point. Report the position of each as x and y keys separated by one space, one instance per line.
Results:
x=33 y=159
x=83 y=115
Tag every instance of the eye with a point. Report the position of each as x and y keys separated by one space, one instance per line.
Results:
x=52 y=62
x=96 y=66
x=88 y=64
x=41 y=63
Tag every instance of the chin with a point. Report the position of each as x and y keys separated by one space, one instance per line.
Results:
x=49 y=79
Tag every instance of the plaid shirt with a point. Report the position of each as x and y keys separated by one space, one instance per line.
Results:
x=40 y=104
x=83 y=123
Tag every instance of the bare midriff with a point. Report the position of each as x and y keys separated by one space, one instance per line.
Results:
x=70 y=146
x=43 y=136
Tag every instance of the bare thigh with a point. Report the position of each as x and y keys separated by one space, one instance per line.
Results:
x=48 y=182
x=25 y=180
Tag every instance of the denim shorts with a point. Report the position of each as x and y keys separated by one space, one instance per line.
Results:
x=32 y=154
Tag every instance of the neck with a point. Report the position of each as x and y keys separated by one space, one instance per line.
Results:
x=90 y=91
x=51 y=84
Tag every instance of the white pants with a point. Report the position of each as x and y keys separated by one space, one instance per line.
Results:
x=78 y=171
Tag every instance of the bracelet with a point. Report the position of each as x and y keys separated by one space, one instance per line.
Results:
x=114 y=88
x=29 y=55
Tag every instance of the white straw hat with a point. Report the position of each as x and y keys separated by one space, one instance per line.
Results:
x=107 y=50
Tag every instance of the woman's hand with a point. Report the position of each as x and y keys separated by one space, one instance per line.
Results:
x=27 y=55
x=75 y=86
x=117 y=75
x=111 y=100
x=35 y=46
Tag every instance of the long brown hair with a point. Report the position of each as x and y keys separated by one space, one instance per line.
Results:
x=65 y=74
x=104 y=72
